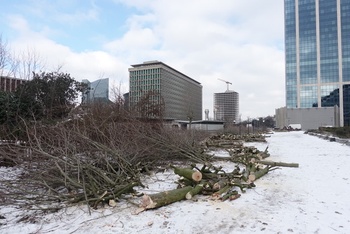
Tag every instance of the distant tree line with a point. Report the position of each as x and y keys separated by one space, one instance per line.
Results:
x=261 y=122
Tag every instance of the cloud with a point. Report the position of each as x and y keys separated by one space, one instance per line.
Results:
x=135 y=39
x=90 y=65
x=238 y=41
x=18 y=23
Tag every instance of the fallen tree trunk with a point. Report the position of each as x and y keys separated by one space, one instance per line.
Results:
x=188 y=173
x=163 y=198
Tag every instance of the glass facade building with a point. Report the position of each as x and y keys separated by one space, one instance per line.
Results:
x=317 y=55
x=98 y=91
x=154 y=84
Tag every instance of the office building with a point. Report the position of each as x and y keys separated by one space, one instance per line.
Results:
x=226 y=106
x=158 y=90
x=10 y=84
x=317 y=55
x=98 y=91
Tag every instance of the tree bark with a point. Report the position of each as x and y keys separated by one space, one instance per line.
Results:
x=188 y=173
x=164 y=198
x=218 y=194
x=232 y=195
x=194 y=191
x=260 y=173
x=219 y=185
x=278 y=164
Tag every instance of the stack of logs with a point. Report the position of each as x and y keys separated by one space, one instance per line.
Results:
x=213 y=181
x=228 y=140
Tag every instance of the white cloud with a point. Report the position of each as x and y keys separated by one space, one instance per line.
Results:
x=133 y=40
x=239 y=41
x=18 y=23
x=90 y=65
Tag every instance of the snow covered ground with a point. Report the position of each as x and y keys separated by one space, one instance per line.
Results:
x=314 y=198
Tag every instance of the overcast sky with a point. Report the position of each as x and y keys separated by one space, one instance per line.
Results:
x=240 y=41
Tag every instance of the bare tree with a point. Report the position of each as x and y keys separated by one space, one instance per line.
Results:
x=21 y=65
x=91 y=159
x=7 y=66
x=151 y=105
x=27 y=62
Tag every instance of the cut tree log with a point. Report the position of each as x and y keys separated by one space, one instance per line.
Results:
x=219 y=185
x=216 y=182
x=188 y=173
x=229 y=195
x=242 y=186
x=265 y=154
x=234 y=197
x=163 y=198
x=219 y=194
x=194 y=191
x=278 y=164
x=260 y=173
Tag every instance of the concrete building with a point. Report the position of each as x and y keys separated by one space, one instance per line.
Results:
x=10 y=84
x=98 y=91
x=202 y=125
x=317 y=55
x=307 y=118
x=154 y=84
x=226 y=106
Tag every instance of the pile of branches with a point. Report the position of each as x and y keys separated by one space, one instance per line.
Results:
x=101 y=156
x=228 y=140
x=214 y=181
x=94 y=159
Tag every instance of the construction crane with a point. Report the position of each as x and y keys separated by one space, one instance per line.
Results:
x=227 y=82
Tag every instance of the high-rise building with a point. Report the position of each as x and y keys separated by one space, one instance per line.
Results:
x=158 y=88
x=226 y=106
x=317 y=55
x=98 y=91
